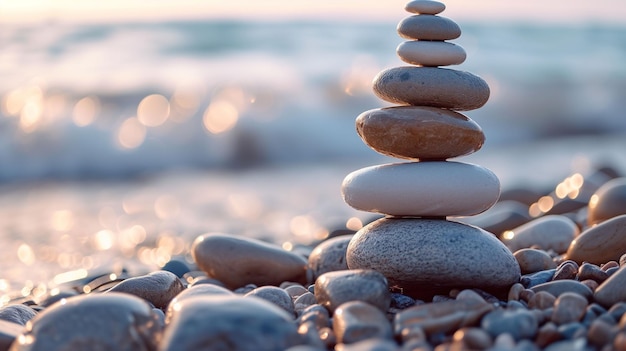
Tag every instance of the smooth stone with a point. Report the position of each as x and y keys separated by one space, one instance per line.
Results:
x=237 y=261
x=422 y=189
x=568 y=308
x=542 y=300
x=558 y=287
x=473 y=338
x=441 y=317
x=532 y=260
x=112 y=321
x=431 y=53
x=426 y=254
x=428 y=27
x=159 y=288
x=229 y=323
x=579 y=344
x=530 y=280
x=196 y=290
x=335 y=288
x=177 y=266
x=419 y=132
x=552 y=232
x=369 y=345
x=19 y=314
x=425 y=7
x=601 y=243
x=566 y=270
x=520 y=324
x=503 y=216
x=275 y=295
x=329 y=256
x=547 y=334
x=612 y=291
x=355 y=321
x=296 y=291
x=600 y=333
x=430 y=86
x=591 y=271
x=9 y=331
x=608 y=201
x=316 y=314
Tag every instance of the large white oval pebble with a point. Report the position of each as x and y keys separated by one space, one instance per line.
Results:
x=422 y=189
x=425 y=7
x=431 y=53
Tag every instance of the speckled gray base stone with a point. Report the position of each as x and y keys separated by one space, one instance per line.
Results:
x=424 y=254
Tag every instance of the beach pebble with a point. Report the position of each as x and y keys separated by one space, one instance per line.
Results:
x=223 y=322
x=295 y=291
x=441 y=317
x=541 y=300
x=591 y=271
x=428 y=27
x=553 y=232
x=608 y=201
x=18 y=313
x=275 y=295
x=237 y=261
x=600 y=333
x=579 y=344
x=558 y=287
x=520 y=324
x=357 y=320
x=473 y=338
x=112 y=321
x=419 y=255
x=436 y=188
x=159 y=287
x=369 y=345
x=569 y=307
x=425 y=7
x=9 y=331
x=601 y=243
x=430 y=86
x=532 y=260
x=566 y=270
x=431 y=53
x=177 y=266
x=612 y=290
x=503 y=216
x=316 y=314
x=419 y=132
x=335 y=288
x=530 y=280
x=329 y=256
x=196 y=290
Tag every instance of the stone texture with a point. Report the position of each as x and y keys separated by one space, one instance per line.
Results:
x=112 y=321
x=329 y=256
x=355 y=321
x=431 y=53
x=369 y=345
x=275 y=295
x=553 y=232
x=159 y=288
x=196 y=290
x=532 y=260
x=335 y=288
x=429 y=86
x=601 y=243
x=229 y=323
x=520 y=324
x=419 y=255
x=425 y=7
x=428 y=27
x=419 y=132
x=612 y=290
x=558 y=287
x=428 y=189
x=608 y=201
x=18 y=314
x=237 y=261
x=568 y=308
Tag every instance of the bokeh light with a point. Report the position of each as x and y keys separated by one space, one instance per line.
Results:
x=153 y=110
x=131 y=134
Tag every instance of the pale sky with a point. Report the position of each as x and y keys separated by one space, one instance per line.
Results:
x=561 y=11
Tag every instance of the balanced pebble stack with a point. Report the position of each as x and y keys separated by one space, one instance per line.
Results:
x=415 y=247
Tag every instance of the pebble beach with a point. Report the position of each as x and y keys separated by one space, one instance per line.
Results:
x=425 y=234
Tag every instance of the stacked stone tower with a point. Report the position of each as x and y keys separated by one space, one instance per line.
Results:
x=415 y=246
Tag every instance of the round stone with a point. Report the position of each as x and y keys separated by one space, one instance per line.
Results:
x=431 y=53
x=552 y=232
x=355 y=321
x=558 y=287
x=428 y=27
x=608 y=201
x=425 y=7
x=237 y=261
x=157 y=287
x=612 y=291
x=275 y=295
x=419 y=132
x=601 y=243
x=18 y=314
x=430 y=86
x=223 y=322
x=335 y=288
x=427 y=254
x=531 y=260
x=329 y=256
x=422 y=189
x=113 y=321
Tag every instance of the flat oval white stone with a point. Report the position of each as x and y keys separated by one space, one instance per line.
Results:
x=425 y=7
x=431 y=53
x=422 y=189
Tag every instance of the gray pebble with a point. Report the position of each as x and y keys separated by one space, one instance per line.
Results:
x=18 y=314
x=569 y=307
x=356 y=320
x=369 y=345
x=329 y=256
x=9 y=331
x=428 y=27
x=335 y=288
x=530 y=280
x=159 y=288
x=275 y=295
x=520 y=324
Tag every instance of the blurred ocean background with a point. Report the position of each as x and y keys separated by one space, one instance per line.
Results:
x=128 y=139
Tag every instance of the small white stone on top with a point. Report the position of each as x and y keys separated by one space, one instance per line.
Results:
x=425 y=7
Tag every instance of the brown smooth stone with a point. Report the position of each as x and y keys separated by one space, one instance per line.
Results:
x=558 y=287
x=419 y=132
x=531 y=260
x=608 y=201
x=428 y=27
x=237 y=261
x=612 y=291
x=430 y=86
x=601 y=243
